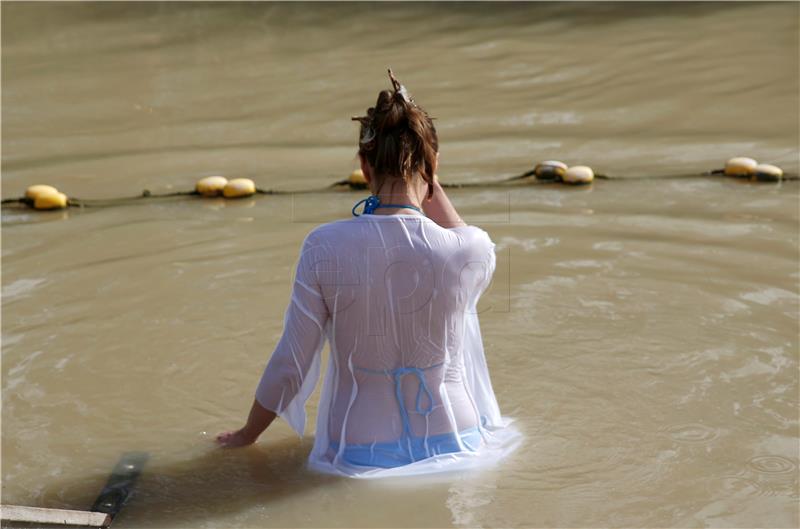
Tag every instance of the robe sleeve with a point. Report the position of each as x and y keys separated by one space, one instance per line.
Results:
x=293 y=369
x=479 y=384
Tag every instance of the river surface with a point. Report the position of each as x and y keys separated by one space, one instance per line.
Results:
x=642 y=331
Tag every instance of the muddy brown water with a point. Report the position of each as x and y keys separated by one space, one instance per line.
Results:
x=643 y=332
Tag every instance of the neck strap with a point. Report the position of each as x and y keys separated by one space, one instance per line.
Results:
x=371 y=203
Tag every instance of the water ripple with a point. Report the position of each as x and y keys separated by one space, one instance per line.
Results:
x=692 y=433
x=755 y=486
x=772 y=464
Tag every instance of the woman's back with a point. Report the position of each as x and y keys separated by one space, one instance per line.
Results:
x=401 y=291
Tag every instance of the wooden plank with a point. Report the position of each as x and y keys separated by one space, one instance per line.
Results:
x=110 y=501
x=120 y=484
x=17 y=513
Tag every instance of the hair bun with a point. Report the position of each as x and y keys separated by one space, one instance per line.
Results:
x=390 y=112
x=397 y=136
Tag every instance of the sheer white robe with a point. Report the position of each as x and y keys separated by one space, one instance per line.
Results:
x=395 y=296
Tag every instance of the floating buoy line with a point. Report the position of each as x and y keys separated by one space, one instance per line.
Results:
x=46 y=197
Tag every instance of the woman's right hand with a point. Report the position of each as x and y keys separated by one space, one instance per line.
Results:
x=257 y=422
x=439 y=209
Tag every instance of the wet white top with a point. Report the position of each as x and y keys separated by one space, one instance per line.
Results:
x=395 y=296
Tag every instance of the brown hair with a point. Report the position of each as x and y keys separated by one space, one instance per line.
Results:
x=397 y=138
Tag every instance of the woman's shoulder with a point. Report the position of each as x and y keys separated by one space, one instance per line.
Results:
x=472 y=234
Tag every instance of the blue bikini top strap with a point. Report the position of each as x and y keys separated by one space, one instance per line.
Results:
x=372 y=202
x=401 y=206
x=422 y=392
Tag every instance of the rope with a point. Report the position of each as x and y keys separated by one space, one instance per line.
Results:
x=525 y=178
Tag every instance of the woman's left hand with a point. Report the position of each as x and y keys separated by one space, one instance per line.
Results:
x=234 y=439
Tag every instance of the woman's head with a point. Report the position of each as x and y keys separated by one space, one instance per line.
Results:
x=397 y=142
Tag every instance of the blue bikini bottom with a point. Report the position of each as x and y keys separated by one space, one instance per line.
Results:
x=409 y=449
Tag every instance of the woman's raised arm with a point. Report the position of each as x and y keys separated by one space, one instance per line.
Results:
x=440 y=210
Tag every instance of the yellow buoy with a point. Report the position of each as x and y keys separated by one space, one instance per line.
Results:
x=550 y=170
x=34 y=191
x=211 y=186
x=579 y=174
x=357 y=179
x=239 y=187
x=50 y=200
x=740 y=166
x=767 y=172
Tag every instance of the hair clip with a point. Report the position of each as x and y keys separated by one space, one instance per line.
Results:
x=400 y=89
x=368 y=136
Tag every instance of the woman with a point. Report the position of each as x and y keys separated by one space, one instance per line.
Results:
x=394 y=290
